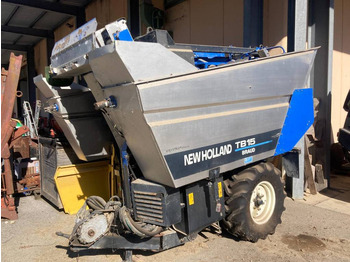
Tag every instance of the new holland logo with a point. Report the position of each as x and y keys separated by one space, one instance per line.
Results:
x=238 y=152
x=207 y=154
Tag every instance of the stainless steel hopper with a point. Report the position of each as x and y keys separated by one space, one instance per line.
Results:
x=180 y=122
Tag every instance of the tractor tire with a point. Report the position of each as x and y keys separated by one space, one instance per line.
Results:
x=254 y=202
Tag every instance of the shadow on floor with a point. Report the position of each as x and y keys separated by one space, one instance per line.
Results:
x=339 y=187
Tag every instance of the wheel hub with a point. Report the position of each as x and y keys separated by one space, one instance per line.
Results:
x=262 y=202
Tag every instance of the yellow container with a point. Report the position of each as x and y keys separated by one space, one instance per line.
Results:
x=77 y=182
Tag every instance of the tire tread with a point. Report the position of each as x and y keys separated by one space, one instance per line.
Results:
x=239 y=189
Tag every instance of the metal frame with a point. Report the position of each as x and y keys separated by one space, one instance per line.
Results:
x=49 y=6
x=322 y=15
x=78 y=12
x=329 y=88
x=27 y=31
x=297 y=27
x=31 y=74
x=214 y=49
x=253 y=23
x=170 y=3
x=134 y=22
x=127 y=243
x=22 y=48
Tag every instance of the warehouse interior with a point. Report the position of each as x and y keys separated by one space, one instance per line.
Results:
x=31 y=29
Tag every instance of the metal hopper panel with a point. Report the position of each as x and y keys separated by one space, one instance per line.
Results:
x=169 y=121
x=83 y=126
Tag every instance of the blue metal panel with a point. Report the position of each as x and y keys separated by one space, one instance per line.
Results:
x=124 y=154
x=208 y=54
x=206 y=59
x=300 y=117
x=123 y=35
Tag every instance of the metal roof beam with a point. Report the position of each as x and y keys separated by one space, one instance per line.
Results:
x=27 y=31
x=11 y=15
x=48 y=6
x=43 y=13
x=23 y=48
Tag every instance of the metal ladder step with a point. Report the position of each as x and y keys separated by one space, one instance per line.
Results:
x=29 y=119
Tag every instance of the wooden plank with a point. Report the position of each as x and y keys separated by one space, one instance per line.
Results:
x=40 y=56
x=308 y=169
x=319 y=177
x=277 y=161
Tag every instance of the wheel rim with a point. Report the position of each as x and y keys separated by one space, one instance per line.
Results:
x=262 y=202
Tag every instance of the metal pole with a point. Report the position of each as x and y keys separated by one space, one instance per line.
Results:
x=329 y=90
x=253 y=23
x=134 y=17
x=297 y=32
x=31 y=75
x=321 y=29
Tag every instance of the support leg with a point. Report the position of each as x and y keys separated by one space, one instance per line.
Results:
x=293 y=166
x=127 y=256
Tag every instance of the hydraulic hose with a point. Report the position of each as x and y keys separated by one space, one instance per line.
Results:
x=96 y=202
x=111 y=202
x=152 y=233
x=135 y=227
x=277 y=46
x=98 y=205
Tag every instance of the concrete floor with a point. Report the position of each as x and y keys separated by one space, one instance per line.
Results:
x=314 y=229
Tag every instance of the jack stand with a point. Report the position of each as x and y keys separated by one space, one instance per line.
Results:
x=127 y=256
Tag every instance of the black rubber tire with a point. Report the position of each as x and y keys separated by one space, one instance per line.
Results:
x=239 y=189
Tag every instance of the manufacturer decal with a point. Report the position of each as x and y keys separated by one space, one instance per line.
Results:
x=208 y=154
x=182 y=164
x=248 y=146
